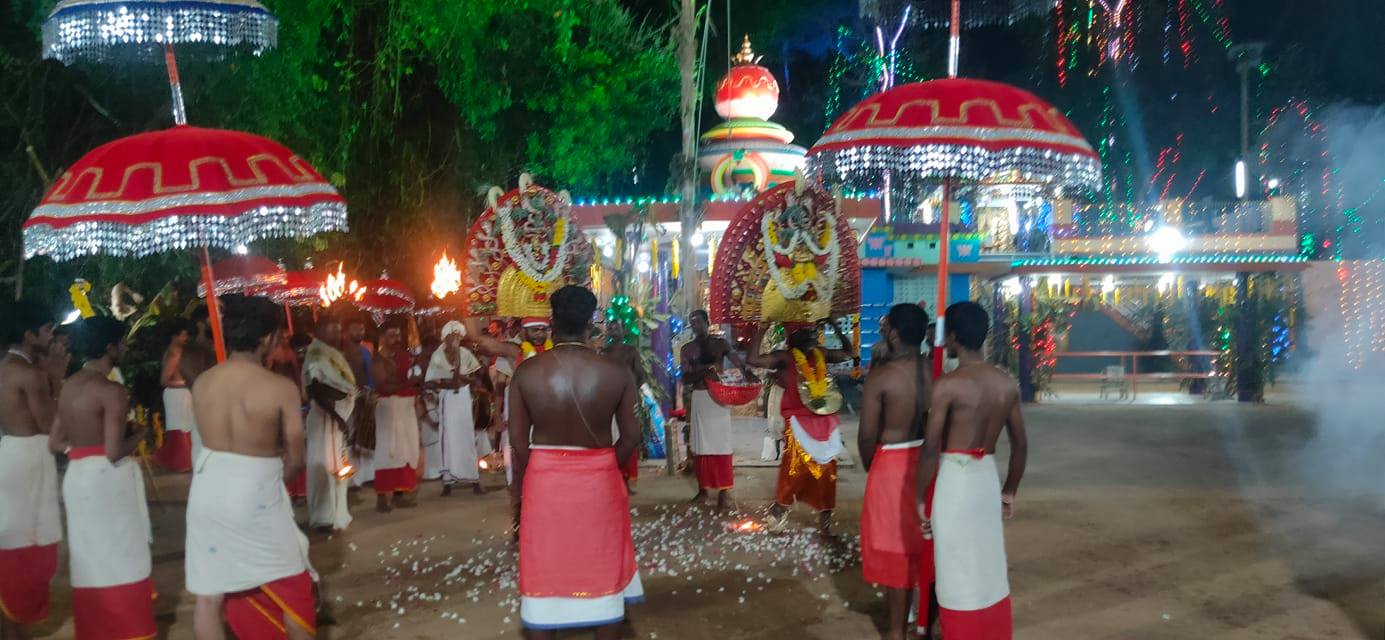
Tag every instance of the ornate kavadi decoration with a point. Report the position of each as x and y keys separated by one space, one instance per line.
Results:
x=788 y=256
x=523 y=248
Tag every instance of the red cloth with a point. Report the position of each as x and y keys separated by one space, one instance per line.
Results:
x=574 y=529
x=298 y=485
x=24 y=577
x=176 y=452
x=259 y=614
x=402 y=363
x=78 y=453
x=992 y=623
x=714 y=472
x=394 y=480
x=801 y=479
x=631 y=470
x=894 y=552
x=122 y=612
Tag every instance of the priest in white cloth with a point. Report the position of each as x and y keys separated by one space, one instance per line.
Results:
x=450 y=374
x=331 y=387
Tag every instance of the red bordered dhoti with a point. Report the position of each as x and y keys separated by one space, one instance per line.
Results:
x=709 y=429
x=396 y=445
x=108 y=545
x=969 y=548
x=243 y=543
x=30 y=527
x=176 y=452
x=576 y=557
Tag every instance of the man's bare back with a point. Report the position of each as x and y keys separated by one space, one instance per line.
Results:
x=896 y=402
x=242 y=407
x=570 y=393
x=26 y=400
x=978 y=400
x=89 y=402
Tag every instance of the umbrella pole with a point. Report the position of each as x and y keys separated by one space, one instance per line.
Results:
x=944 y=252
x=288 y=318
x=213 y=313
x=175 y=86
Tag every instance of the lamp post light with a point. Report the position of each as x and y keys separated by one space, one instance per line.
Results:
x=1247 y=56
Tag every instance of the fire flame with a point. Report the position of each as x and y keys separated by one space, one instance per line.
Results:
x=447 y=278
x=336 y=287
x=484 y=465
x=746 y=526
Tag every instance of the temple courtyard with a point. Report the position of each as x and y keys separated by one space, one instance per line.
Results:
x=1146 y=521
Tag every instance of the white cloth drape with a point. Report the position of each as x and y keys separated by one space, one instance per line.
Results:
x=107 y=522
x=240 y=528
x=28 y=493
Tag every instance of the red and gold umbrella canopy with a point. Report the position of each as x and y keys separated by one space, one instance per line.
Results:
x=181 y=188
x=385 y=296
x=243 y=274
x=298 y=289
x=961 y=129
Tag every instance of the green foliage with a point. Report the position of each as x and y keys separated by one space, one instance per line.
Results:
x=410 y=107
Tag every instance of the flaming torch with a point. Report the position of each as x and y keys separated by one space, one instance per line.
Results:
x=336 y=287
x=447 y=278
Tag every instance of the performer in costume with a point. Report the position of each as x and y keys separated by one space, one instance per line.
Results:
x=330 y=384
x=30 y=526
x=451 y=369
x=176 y=452
x=894 y=553
x=397 y=449
x=245 y=557
x=808 y=467
x=968 y=409
x=710 y=423
x=103 y=494
x=577 y=558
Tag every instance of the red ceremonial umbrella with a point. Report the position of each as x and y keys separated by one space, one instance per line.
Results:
x=385 y=296
x=950 y=131
x=250 y=275
x=298 y=289
x=182 y=188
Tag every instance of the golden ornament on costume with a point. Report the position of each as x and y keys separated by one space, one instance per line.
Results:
x=816 y=388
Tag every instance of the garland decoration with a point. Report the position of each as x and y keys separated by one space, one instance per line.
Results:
x=814 y=375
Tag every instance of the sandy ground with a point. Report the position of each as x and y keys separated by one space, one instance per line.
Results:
x=1134 y=522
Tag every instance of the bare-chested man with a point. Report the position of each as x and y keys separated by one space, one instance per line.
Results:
x=808 y=468
x=29 y=523
x=176 y=452
x=103 y=493
x=710 y=423
x=576 y=556
x=245 y=554
x=894 y=553
x=968 y=409
x=198 y=355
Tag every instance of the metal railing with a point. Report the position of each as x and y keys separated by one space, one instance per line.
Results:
x=1130 y=377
